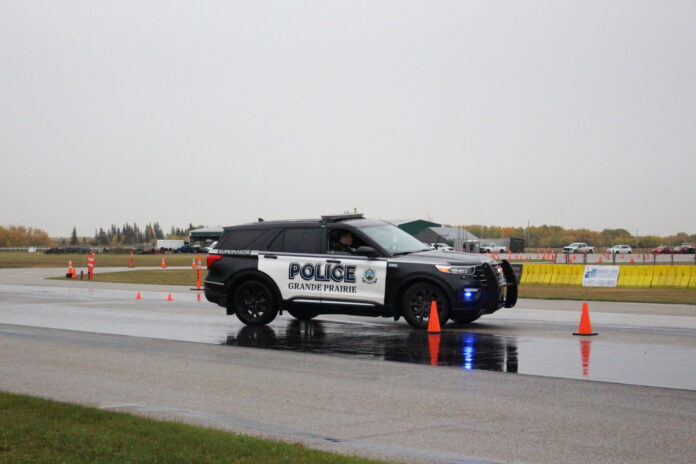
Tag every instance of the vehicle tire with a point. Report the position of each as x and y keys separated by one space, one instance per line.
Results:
x=415 y=304
x=253 y=303
x=465 y=319
x=630 y=252
x=303 y=314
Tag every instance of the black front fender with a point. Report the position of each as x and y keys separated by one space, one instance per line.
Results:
x=509 y=273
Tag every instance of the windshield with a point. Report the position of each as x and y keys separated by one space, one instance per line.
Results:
x=394 y=240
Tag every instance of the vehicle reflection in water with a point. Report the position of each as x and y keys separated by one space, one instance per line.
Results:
x=469 y=350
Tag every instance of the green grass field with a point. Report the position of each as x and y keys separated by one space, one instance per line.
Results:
x=34 y=430
x=628 y=295
x=23 y=259
x=160 y=277
x=548 y=292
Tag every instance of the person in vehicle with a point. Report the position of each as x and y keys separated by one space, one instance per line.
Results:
x=343 y=241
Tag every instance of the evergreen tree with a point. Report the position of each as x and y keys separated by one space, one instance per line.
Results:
x=73 y=237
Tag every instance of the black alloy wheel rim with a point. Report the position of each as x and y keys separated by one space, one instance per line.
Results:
x=254 y=301
x=420 y=303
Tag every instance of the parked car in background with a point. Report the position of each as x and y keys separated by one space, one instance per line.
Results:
x=492 y=248
x=685 y=248
x=186 y=249
x=661 y=250
x=68 y=250
x=209 y=247
x=169 y=245
x=441 y=246
x=620 y=249
x=578 y=247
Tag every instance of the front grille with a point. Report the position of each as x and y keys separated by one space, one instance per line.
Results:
x=480 y=274
x=498 y=268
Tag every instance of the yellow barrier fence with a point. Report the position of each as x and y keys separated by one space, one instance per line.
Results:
x=646 y=276
x=635 y=276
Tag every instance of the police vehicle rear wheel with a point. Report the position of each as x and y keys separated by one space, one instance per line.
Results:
x=253 y=303
x=415 y=304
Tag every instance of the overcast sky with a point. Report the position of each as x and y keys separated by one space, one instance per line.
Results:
x=580 y=114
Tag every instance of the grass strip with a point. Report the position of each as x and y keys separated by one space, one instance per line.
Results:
x=34 y=430
x=619 y=294
x=160 y=277
x=23 y=259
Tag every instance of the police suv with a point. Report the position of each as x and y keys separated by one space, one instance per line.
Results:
x=347 y=264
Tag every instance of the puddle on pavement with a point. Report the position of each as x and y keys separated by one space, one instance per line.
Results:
x=570 y=357
x=468 y=350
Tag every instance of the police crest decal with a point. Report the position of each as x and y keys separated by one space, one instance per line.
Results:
x=369 y=276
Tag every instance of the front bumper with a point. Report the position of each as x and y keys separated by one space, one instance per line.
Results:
x=496 y=288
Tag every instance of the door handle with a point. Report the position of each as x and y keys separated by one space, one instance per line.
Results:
x=270 y=256
x=334 y=261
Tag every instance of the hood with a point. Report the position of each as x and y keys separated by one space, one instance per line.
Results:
x=443 y=257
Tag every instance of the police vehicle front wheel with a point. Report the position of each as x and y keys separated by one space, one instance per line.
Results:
x=254 y=304
x=416 y=301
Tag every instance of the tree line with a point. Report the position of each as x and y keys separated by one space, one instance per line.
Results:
x=534 y=236
x=129 y=234
x=557 y=236
x=22 y=236
x=113 y=236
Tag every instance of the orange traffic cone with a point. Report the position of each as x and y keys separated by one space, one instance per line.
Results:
x=74 y=274
x=600 y=260
x=138 y=297
x=585 y=325
x=193 y=263
x=434 y=319
x=170 y=298
x=164 y=263
x=632 y=259
x=71 y=271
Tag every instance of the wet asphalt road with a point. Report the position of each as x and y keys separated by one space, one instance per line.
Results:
x=631 y=349
x=515 y=387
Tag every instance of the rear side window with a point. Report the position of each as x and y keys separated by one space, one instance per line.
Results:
x=241 y=239
x=298 y=240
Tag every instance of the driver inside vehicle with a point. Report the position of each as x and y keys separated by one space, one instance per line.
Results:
x=344 y=242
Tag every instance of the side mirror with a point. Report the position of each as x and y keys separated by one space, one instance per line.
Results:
x=365 y=250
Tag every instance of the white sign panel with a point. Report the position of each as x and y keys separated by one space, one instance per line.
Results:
x=332 y=278
x=600 y=276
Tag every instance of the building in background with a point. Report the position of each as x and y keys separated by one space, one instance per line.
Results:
x=204 y=236
x=413 y=226
x=456 y=237
x=515 y=245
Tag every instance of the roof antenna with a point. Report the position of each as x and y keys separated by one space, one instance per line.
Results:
x=260 y=219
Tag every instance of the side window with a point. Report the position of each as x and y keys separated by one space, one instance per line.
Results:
x=277 y=243
x=343 y=242
x=239 y=239
x=302 y=240
x=261 y=243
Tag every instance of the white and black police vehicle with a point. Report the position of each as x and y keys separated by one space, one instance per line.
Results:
x=348 y=264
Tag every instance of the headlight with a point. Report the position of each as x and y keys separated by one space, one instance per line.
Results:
x=459 y=270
